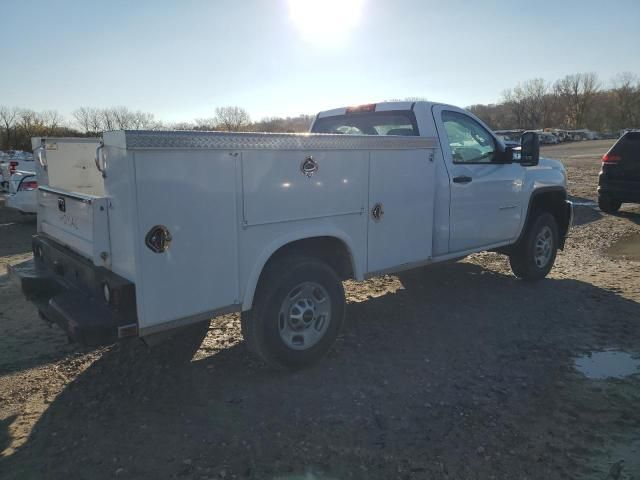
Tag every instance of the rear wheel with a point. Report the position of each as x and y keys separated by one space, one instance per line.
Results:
x=609 y=205
x=297 y=313
x=533 y=257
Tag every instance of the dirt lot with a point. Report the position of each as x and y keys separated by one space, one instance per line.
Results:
x=457 y=371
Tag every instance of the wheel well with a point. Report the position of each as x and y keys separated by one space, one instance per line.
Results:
x=552 y=201
x=329 y=249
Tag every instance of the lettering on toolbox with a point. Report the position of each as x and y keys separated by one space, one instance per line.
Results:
x=68 y=220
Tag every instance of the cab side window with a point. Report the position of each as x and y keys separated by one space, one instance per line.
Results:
x=468 y=140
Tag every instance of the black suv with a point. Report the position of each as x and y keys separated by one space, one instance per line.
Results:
x=619 y=179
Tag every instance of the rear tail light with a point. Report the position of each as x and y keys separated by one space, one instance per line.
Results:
x=611 y=158
x=27 y=186
x=12 y=167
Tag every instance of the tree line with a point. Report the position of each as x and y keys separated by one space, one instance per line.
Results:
x=18 y=125
x=574 y=102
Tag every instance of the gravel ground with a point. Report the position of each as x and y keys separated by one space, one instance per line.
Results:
x=457 y=371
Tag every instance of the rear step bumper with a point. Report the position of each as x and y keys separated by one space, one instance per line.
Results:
x=69 y=291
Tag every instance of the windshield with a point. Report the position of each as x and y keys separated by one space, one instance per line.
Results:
x=373 y=123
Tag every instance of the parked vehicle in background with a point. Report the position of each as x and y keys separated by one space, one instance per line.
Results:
x=271 y=225
x=583 y=134
x=560 y=135
x=619 y=179
x=509 y=135
x=12 y=162
x=23 y=192
x=5 y=174
x=547 y=138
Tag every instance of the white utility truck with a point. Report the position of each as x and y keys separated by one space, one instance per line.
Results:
x=196 y=224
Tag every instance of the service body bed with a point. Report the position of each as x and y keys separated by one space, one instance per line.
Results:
x=227 y=201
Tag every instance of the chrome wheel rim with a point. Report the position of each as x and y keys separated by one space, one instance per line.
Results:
x=543 y=247
x=305 y=315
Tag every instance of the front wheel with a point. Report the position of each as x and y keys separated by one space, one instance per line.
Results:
x=533 y=257
x=297 y=312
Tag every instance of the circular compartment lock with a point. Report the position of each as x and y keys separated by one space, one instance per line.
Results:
x=158 y=239
x=309 y=166
x=377 y=212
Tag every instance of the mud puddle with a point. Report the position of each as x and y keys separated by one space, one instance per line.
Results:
x=608 y=364
x=627 y=248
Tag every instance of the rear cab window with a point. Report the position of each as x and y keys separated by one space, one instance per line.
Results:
x=396 y=122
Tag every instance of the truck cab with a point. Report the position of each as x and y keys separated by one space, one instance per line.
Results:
x=482 y=195
x=270 y=225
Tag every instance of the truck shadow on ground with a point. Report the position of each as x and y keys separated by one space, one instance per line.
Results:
x=455 y=375
x=26 y=341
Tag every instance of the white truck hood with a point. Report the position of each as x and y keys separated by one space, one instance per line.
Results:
x=554 y=165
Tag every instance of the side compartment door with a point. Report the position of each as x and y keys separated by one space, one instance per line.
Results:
x=193 y=195
x=401 y=193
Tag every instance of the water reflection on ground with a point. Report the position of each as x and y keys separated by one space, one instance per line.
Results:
x=608 y=364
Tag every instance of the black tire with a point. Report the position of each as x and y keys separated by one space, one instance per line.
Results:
x=609 y=205
x=525 y=259
x=181 y=345
x=261 y=326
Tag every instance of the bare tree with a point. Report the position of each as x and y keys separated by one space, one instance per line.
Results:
x=51 y=121
x=626 y=94
x=144 y=121
x=8 y=117
x=123 y=118
x=497 y=116
x=205 y=124
x=97 y=120
x=108 y=117
x=89 y=119
x=531 y=103
x=590 y=88
x=577 y=93
x=181 y=126
x=301 y=123
x=516 y=105
x=231 y=119
x=29 y=122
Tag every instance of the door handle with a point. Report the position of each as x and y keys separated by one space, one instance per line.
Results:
x=462 y=179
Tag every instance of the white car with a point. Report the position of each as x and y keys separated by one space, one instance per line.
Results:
x=23 y=192
x=11 y=163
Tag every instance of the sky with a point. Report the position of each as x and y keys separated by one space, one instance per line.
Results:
x=181 y=59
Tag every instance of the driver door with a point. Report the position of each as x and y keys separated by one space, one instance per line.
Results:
x=486 y=196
